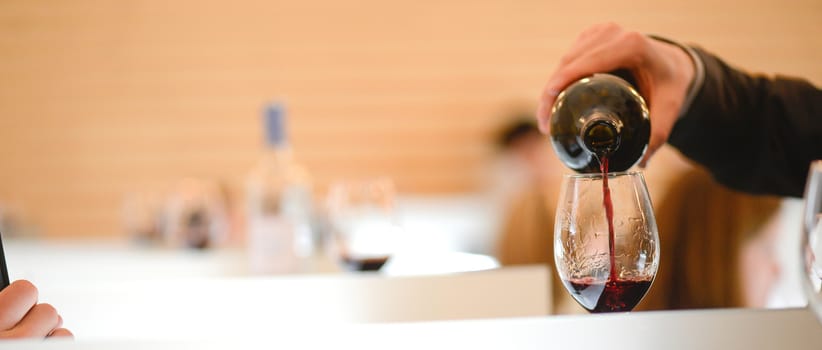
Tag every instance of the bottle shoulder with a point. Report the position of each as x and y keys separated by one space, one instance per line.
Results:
x=279 y=169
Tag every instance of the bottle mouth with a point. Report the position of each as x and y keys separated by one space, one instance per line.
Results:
x=601 y=133
x=598 y=176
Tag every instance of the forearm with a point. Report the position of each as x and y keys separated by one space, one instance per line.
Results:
x=753 y=133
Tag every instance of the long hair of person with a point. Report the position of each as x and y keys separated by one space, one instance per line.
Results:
x=702 y=229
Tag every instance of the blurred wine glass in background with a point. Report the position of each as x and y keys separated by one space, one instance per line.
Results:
x=811 y=247
x=364 y=225
x=143 y=217
x=195 y=215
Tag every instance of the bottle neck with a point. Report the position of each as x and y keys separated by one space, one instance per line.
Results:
x=601 y=133
x=280 y=152
x=275 y=126
x=276 y=140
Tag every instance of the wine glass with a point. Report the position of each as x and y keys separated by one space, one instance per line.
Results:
x=364 y=225
x=195 y=215
x=606 y=257
x=812 y=238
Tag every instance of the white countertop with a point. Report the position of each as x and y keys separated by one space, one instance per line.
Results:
x=119 y=297
x=721 y=329
x=106 y=290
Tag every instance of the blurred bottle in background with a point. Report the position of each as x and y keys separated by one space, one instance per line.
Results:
x=279 y=203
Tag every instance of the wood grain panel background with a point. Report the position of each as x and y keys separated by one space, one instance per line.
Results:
x=99 y=98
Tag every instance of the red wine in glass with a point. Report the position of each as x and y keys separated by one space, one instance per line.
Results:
x=611 y=296
x=373 y=263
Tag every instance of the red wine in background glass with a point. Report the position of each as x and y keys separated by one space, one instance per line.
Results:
x=373 y=263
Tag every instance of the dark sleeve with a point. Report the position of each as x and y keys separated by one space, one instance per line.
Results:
x=754 y=133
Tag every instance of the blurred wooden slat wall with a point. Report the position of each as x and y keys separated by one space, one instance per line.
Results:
x=98 y=98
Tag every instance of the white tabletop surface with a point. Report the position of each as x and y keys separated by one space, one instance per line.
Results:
x=107 y=290
x=721 y=329
x=119 y=299
x=238 y=307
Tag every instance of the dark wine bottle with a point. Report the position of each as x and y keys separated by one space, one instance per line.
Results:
x=597 y=117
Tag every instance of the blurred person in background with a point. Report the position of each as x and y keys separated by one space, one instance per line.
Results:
x=528 y=177
x=21 y=316
x=525 y=160
x=717 y=246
